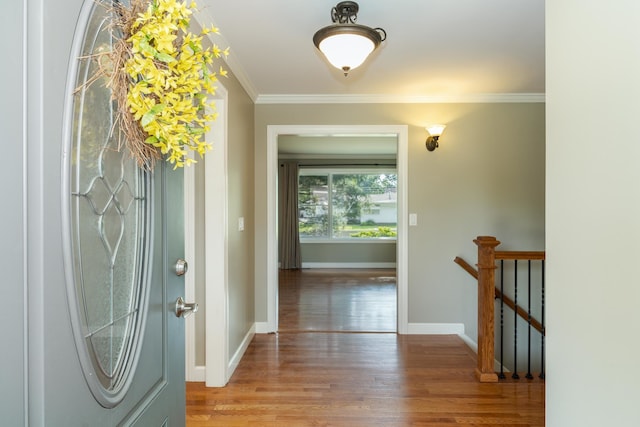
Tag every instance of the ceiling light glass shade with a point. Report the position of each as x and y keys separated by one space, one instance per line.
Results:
x=346 y=46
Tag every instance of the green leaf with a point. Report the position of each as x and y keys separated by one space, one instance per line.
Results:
x=151 y=140
x=150 y=115
x=164 y=57
x=146 y=47
x=194 y=47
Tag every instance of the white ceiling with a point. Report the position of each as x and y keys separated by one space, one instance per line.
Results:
x=436 y=50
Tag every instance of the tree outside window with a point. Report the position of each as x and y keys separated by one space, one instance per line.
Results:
x=343 y=204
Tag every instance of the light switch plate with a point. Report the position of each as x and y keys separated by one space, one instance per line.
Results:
x=413 y=219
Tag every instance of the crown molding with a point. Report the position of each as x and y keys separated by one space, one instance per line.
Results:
x=232 y=63
x=241 y=75
x=403 y=99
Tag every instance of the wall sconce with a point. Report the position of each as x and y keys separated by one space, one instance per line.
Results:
x=434 y=134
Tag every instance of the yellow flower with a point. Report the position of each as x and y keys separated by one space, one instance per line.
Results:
x=170 y=80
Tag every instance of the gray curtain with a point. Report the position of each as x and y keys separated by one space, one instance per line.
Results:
x=288 y=235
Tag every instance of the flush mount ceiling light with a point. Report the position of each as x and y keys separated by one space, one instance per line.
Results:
x=345 y=44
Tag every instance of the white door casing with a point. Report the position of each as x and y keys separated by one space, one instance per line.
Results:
x=273 y=131
x=216 y=371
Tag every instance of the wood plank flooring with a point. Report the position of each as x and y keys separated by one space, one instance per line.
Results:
x=299 y=379
x=362 y=300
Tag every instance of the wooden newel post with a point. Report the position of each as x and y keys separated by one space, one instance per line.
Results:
x=486 y=294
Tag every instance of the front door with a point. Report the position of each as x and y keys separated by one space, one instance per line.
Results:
x=105 y=347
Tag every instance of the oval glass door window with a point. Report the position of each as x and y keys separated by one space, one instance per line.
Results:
x=107 y=221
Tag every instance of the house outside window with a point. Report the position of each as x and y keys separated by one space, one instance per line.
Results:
x=347 y=204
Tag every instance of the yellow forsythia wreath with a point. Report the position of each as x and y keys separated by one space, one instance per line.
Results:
x=168 y=81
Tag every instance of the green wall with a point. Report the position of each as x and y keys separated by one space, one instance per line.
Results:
x=240 y=182
x=334 y=254
x=487 y=178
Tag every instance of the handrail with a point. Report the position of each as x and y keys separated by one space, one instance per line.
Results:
x=532 y=255
x=466 y=267
x=487 y=292
x=508 y=301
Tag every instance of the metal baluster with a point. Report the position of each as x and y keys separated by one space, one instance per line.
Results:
x=529 y=376
x=515 y=375
x=542 y=372
x=501 y=375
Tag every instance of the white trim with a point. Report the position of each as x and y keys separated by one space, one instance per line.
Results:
x=365 y=241
x=189 y=279
x=204 y=17
x=262 y=328
x=402 y=232
x=469 y=342
x=272 y=228
x=198 y=374
x=474 y=346
x=273 y=131
x=436 y=329
x=216 y=248
x=403 y=99
x=348 y=265
x=303 y=156
x=235 y=360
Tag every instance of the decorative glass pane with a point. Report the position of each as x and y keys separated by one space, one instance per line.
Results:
x=109 y=225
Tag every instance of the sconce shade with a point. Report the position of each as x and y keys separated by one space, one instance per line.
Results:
x=345 y=44
x=436 y=130
x=434 y=135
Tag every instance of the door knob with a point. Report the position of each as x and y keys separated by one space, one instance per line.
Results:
x=184 y=309
x=181 y=267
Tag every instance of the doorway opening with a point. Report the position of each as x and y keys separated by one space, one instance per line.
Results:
x=400 y=134
x=337 y=208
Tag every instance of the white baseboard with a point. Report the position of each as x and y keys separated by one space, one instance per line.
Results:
x=474 y=346
x=263 y=328
x=197 y=374
x=448 y=329
x=470 y=343
x=235 y=359
x=348 y=265
x=435 y=329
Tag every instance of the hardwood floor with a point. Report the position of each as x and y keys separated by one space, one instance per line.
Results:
x=298 y=379
x=362 y=300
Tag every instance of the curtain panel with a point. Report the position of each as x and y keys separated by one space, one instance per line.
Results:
x=288 y=234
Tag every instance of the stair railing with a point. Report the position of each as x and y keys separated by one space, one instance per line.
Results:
x=488 y=292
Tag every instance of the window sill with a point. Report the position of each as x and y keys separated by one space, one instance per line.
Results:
x=348 y=241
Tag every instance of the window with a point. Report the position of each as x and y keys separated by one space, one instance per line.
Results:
x=109 y=217
x=347 y=204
